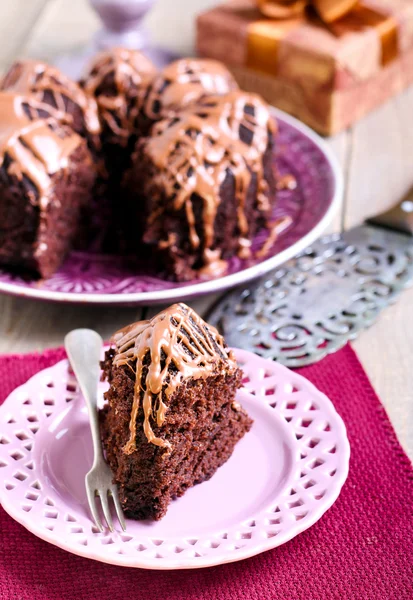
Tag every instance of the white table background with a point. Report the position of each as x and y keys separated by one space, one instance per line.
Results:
x=376 y=155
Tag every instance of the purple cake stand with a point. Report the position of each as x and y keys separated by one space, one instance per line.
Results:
x=104 y=279
x=123 y=28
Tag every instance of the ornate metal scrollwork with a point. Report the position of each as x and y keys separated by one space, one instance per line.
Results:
x=317 y=302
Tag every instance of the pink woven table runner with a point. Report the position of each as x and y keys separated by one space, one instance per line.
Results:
x=361 y=549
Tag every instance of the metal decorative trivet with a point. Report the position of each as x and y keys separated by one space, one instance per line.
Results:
x=317 y=302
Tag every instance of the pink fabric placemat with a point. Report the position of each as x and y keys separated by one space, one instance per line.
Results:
x=361 y=549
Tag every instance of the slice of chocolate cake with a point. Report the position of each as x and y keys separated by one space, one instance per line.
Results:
x=171 y=419
x=184 y=82
x=202 y=185
x=46 y=178
x=61 y=97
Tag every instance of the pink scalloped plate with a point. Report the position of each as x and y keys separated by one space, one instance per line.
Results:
x=104 y=279
x=282 y=477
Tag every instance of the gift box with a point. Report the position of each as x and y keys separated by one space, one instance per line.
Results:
x=327 y=71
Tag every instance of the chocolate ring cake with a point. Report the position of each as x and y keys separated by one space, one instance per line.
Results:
x=184 y=82
x=182 y=161
x=171 y=419
x=61 y=97
x=46 y=177
x=201 y=185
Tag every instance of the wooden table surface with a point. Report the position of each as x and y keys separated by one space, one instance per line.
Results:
x=376 y=156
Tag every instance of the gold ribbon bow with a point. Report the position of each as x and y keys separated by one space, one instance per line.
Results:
x=328 y=10
x=340 y=16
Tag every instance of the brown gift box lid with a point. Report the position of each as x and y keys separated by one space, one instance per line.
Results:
x=328 y=78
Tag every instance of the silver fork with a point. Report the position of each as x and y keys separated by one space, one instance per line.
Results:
x=84 y=347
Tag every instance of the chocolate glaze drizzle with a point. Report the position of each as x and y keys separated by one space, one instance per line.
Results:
x=174 y=345
x=183 y=82
x=194 y=150
x=118 y=78
x=49 y=86
x=37 y=148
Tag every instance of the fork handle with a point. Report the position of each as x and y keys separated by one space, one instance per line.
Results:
x=84 y=347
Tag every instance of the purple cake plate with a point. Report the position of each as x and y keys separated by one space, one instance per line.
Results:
x=282 y=477
x=104 y=279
